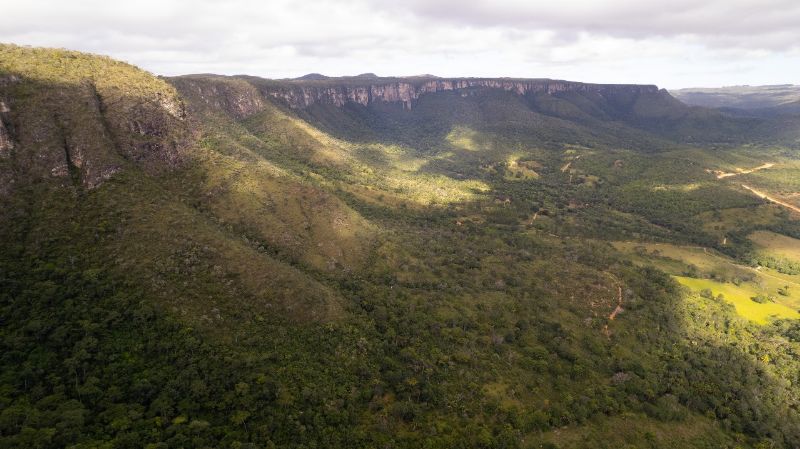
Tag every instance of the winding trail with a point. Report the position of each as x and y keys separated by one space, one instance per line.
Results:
x=619 y=308
x=566 y=167
x=761 y=273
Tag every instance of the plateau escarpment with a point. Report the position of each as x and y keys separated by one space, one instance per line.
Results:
x=368 y=106
x=236 y=97
x=301 y=94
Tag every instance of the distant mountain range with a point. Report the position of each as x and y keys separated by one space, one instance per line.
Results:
x=762 y=100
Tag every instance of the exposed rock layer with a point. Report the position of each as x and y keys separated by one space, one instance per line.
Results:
x=299 y=94
x=85 y=135
x=236 y=97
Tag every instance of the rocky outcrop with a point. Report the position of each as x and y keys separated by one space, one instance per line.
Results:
x=92 y=120
x=237 y=98
x=150 y=131
x=300 y=94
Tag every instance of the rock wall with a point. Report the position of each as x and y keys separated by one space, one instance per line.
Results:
x=82 y=134
x=236 y=97
x=299 y=94
x=150 y=131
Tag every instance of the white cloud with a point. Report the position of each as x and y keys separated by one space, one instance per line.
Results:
x=674 y=43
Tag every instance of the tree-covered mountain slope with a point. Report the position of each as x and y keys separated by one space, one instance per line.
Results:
x=209 y=261
x=778 y=101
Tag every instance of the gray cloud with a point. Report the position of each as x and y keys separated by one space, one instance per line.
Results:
x=674 y=43
x=739 y=23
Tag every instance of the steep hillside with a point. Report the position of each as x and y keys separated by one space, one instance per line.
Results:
x=86 y=118
x=209 y=261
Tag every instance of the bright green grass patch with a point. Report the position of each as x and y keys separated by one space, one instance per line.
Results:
x=520 y=169
x=771 y=281
x=464 y=138
x=740 y=296
x=704 y=264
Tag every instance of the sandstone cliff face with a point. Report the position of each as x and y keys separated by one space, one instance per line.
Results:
x=298 y=94
x=77 y=134
x=150 y=131
x=238 y=98
x=80 y=124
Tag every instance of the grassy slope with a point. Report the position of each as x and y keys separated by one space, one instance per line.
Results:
x=779 y=245
x=716 y=272
x=631 y=430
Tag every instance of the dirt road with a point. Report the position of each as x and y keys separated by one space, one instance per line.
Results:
x=771 y=199
x=743 y=172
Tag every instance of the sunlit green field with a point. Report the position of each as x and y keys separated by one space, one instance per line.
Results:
x=715 y=272
x=740 y=296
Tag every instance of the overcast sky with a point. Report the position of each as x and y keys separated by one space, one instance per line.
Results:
x=679 y=43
